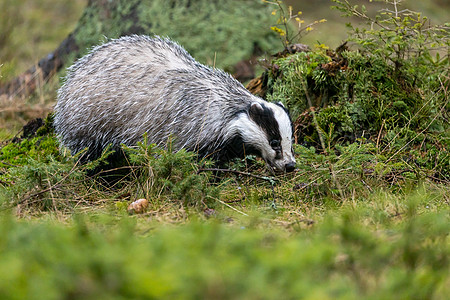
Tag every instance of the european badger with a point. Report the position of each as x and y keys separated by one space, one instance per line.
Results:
x=137 y=84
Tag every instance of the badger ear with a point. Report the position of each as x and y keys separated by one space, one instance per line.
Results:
x=255 y=109
x=281 y=104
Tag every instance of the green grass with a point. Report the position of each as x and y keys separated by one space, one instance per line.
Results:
x=359 y=250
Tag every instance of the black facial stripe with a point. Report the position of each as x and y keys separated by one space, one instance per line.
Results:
x=287 y=112
x=282 y=106
x=265 y=119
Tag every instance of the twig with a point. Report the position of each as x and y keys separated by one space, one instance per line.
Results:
x=319 y=131
x=266 y=178
x=51 y=187
x=425 y=129
x=226 y=204
x=379 y=133
x=410 y=120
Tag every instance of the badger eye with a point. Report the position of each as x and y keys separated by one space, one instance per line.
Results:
x=275 y=143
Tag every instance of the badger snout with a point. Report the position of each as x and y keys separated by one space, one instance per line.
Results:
x=290 y=166
x=282 y=166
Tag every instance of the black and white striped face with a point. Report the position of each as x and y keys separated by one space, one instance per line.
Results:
x=267 y=128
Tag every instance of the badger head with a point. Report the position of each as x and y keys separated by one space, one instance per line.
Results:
x=265 y=129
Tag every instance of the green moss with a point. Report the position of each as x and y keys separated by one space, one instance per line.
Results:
x=36 y=148
x=357 y=94
x=41 y=145
x=293 y=76
x=47 y=128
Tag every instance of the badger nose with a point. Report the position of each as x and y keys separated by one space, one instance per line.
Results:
x=289 y=167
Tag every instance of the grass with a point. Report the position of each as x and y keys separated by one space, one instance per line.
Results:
x=63 y=234
x=389 y=247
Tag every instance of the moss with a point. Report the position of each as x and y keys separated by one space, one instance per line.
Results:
x=366 y=89
x=40 y=143
x=360 y=95
x=36 y=148
x=47 y=128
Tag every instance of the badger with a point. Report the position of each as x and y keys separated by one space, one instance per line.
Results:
x=137 y=85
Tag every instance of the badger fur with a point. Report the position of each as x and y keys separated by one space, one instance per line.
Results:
x=136 y=85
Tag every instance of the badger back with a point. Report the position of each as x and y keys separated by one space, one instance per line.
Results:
x=137 y=84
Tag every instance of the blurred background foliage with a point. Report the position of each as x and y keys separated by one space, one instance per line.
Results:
x=346 y=256
x=30 y=29
x=333 y=32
